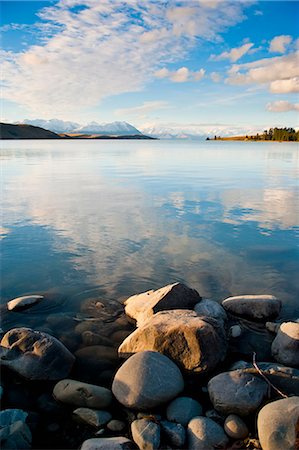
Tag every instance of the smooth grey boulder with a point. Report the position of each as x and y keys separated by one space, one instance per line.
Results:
x=237 y=392
x=254 y=307
x=173 y=296
x=77 y=393
x=183 y=409
x=235 y=427
x=210 y=308
x=92 y=417
x=35 y=355
x=205 y=434
x=115 y=443
x=277 y=424
x=173 y=433
x=14 y=432
x=195 y=344
x=24 y=302
x=146 y=380
x=285 y=347
x=146 y=434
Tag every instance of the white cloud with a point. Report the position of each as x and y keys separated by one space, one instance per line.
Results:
x=234 y=54
x=142 y=110
x=181 y=75
x=216 y=77
x=279 y=44
x=280 y=73
x=282 y=106
x=108 y=48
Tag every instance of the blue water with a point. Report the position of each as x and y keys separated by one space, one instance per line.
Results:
x=119 y=217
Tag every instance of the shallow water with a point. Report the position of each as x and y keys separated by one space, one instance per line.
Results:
x=108 y=219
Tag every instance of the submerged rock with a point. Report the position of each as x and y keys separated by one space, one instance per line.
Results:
x=115 y=443
x=77 y=393
x=237 y=392
x=146 y=434
x=14 y=432
x=196 y=344
x=183 y=409
x=254 y=307
x=35 y=355
x=173 y=296
x=277 y=424
x=210 y=308
x=285 y=347
x=205 y=434
x=146 y=380
x=24 y=302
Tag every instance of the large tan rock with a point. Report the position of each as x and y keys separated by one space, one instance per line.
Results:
x=195 y=344
x=173 y=296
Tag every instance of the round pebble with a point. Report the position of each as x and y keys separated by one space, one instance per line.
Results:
x=235 y=427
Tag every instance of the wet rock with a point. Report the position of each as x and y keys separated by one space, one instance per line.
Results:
x=92 y=417
x=14 y=432
x=61 y=321
x=237 y=392
x=210 y=308
x=254 y=307
x=277 y=424
x=90 y=338
x=24 y=302
x=173 y=296
x=235 y=331
x=183 y=409
x=235 y=427
x=116 y=425
x=285 y=347
x=115 y=443
x=205 y=434
x=95 y=359
x=118 y=336
x=35 y=355
x=146 y=380
x=70 y=340
x=146 y=434
x=77 y=393
x=173 y=433
x=196 y=344
x=105 y=309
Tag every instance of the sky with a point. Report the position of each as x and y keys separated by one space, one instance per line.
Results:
x=171 y=64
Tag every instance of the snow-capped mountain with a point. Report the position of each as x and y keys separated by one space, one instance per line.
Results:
x=55 y=125
x=113 y=128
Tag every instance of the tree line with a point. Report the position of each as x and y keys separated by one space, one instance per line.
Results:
x=277 y=134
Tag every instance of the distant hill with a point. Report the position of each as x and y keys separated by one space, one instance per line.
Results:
x=10 y=131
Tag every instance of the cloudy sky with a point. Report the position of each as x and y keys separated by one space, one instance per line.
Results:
x=151 y=63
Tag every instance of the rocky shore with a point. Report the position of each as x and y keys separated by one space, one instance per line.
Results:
x=164 y=370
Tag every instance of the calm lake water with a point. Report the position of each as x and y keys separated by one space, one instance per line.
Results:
x=114 y=218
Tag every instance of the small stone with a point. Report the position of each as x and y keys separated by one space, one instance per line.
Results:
x=92 y=417
x=183 y=409
x=146 y=434
x=255 y=307
x=277 y=424
x=115 y=443
x=82 y=394
x=24 y=302
x=144 y=415
x=116 y=425
x=146 y=380
x=285 y=347
x=235 y=331
x=235 y=427
x=210 y=308
x=205 y=434
x=173 y=433
x=237 y=392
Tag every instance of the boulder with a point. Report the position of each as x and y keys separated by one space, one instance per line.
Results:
x=146 y=380
x=183 y=409
x=77 y=393
x=254 y=307
x=173 y=296
x=210 y=308
x=146 y=434
x=24 y=302
x=115 y=443
x=277 y=424
x=14 y=432
x=235 y=427
x=205 y=434
x=196 y=344
x=116 y=425
x=285 y=347
x=92 y=417
x=35 y=355
x=173 y=433
x=237 y=392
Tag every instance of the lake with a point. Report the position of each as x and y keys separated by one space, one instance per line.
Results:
x=114 y=218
